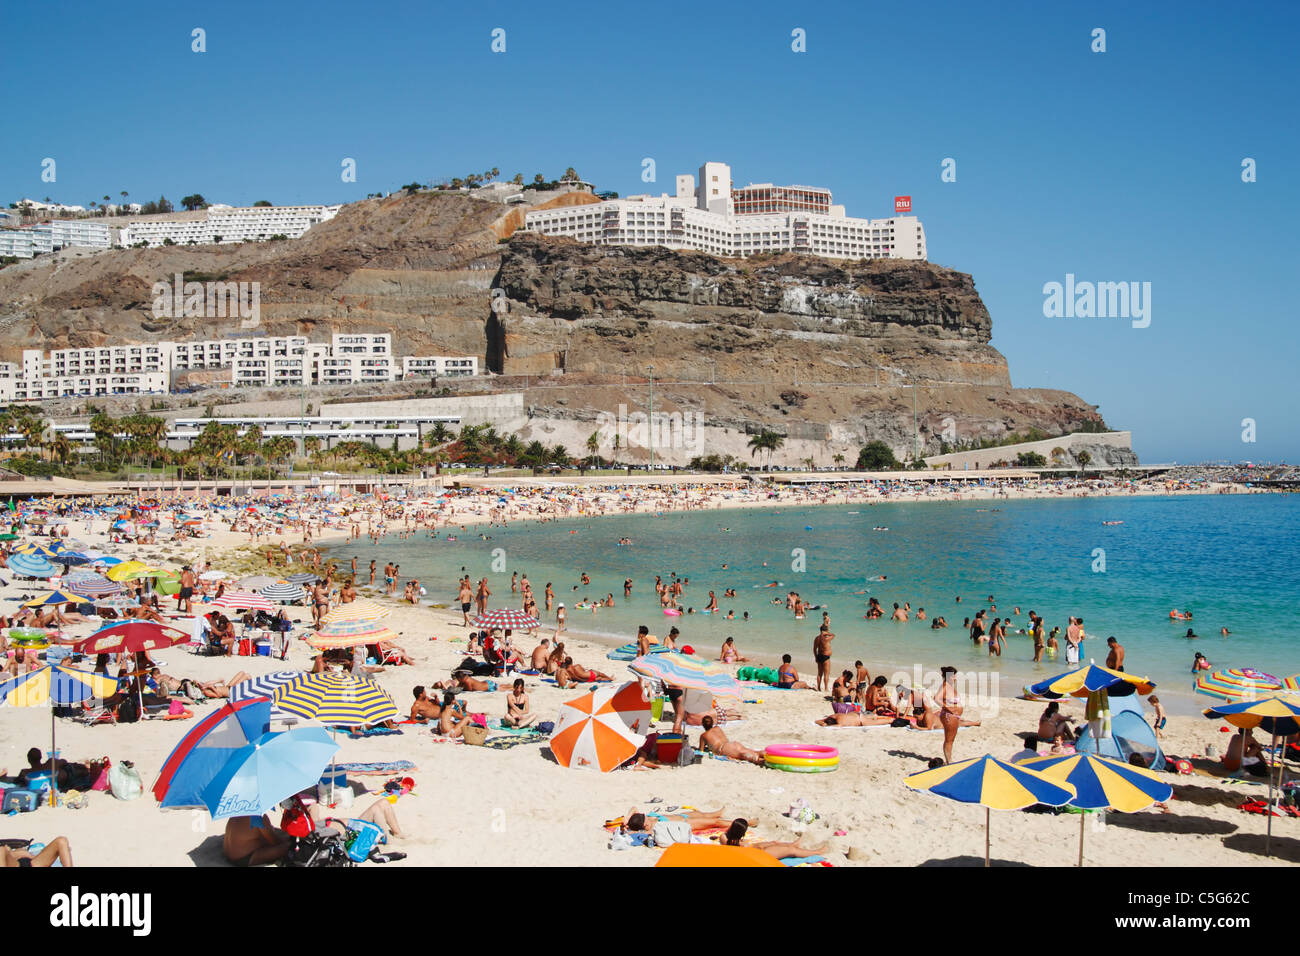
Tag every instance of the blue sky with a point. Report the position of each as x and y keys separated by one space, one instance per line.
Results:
x=1115 y=166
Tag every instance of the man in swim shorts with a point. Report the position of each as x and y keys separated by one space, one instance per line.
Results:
x=822 y=654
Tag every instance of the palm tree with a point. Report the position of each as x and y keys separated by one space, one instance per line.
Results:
x=593 y=445
x=1083 y=458
x=809 y=463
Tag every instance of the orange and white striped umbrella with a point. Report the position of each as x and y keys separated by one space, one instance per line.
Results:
x=601 y=729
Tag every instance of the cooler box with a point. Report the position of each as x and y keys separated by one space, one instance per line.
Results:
x=18 y=801
x=263 y=648
x=333 y=790
x=669 y=747
x=40 y=782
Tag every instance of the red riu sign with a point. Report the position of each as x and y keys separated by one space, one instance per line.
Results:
x=902 y=204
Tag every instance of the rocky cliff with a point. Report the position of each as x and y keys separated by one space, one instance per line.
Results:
x=830 y=354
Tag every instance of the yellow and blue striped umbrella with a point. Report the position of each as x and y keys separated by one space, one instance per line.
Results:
x=1088 y=680
x=350 y=634
x=994 y=785
x=1103 y=784
x=55 y=685
x=58 y=596
x=340 y=700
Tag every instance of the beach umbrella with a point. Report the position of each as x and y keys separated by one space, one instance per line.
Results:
x=992 y=784
x=38 y=550
x=350 y=634
x=128 y=571
x=31 y=566
x=268 y=770
x=358 y=610
x=1101 y=783
x=1237 y=684
x=686 y=671
x=302 y=577
x=714 y=854
x=91 y=585
x=50 y=686
x=338 y=700
x=256 y=582
x=243 y=601
x=201 y=753
x=1279 y=714
x=57 y=596
x=1090 y=679
x=264 y=685
x=8 y=536
x=602 y=728
x=118 y=602
x=283 y=592
x=1291 y=683
x=98 y=557
x=131 y=637
x=506 y=618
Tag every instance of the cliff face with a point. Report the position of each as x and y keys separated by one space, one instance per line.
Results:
x=830 y=354
x=593 y=308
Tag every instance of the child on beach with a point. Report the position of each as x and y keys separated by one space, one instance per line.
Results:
x=1158 y=720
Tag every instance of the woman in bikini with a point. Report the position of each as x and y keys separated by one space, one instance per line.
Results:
x=950 y=711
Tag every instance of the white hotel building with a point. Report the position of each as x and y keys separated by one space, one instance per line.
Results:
x=45 y=237
x=227 y=224
x=716 y=218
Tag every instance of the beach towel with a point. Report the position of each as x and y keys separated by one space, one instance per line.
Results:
x=805 y=861
x=368 y=732
x=377 y=767
x=506 y=742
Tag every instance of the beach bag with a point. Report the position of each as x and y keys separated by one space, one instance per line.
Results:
x=545 y=727
x=668 y=832
x=128 y=712
x=475 y=736
x=18 y=801
x=124 y=782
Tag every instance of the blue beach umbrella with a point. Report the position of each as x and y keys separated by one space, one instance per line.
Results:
x=31 y=566
x=268 y=770
x=201 y=753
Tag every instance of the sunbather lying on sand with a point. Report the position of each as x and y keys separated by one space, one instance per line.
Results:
x=782 y=851
x=698 y=819
x=217 y=689
x=855 y=720
x=56 y=849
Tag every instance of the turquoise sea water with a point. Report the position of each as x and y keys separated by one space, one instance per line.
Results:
x=1233 y=560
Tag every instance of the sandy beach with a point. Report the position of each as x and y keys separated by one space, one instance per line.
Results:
x=477 y=805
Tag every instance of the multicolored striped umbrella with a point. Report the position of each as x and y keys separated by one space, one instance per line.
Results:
x=1088 y=680
x=256 y=582
x=601 y=729
x=358 y=610
x=1101 y=783
x=350 y=634
x=506 y=618
x=992 y=784
x=686 y=671
x=243 y=601
x=92 y=585
x=342 y=700
x=1237 y=684
x=1291 y=683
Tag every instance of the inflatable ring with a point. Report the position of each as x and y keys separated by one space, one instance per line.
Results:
x=801 y=751
x=789 y=769
x=672 y=613
x=801 y=761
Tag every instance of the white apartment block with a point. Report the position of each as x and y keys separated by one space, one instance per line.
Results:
x=447 y=366
x=224 y=353
x=39 y=389
x=227 y=224
x=716 y=218
x=56 y=234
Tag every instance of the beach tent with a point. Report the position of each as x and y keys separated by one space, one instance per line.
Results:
x=714 y=855
x=1130 y=734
